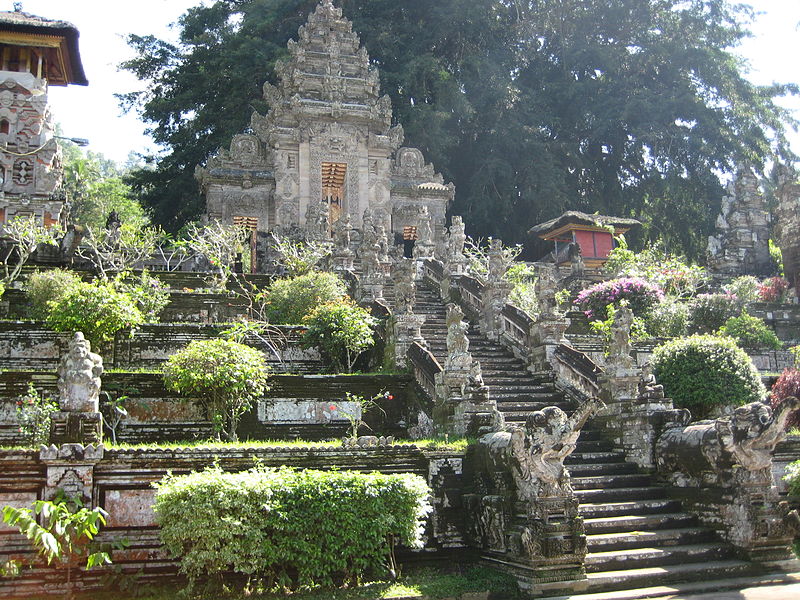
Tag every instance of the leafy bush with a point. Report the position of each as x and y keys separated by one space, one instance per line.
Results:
x=788 y=384
x=34 y=415
x=605 y=328
x=773 y=289
x=288 y=301
x=668 y=319
x=672 y=274
x=641 y=296
x=341 y=331
x=287 y=527
x=792 y=477
x=523 y=294
x=43 y=287
x=702 y=371
x=96 y=309
x=148 y=292
x=708 y=312
x=750 y=332
x=745 y=288
x=225 y=377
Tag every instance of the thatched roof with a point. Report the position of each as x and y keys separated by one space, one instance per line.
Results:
x=580 y=218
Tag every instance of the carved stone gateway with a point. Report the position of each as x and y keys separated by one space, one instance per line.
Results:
x=326 y=150
x=723 y=467
x=524 y=513
x=79 y=420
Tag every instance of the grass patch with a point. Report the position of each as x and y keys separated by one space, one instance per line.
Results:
x=442 y=443
x=415 y=583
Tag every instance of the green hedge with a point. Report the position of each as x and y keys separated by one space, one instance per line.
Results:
x=288 y=301
x=286 y=527
x=703 y=371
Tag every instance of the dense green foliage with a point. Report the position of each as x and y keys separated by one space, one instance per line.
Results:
x=33 y=416
x=788 y=384
x=222 y=376
x=792 y=477
x=96 y=309
x=341 y=331
x=709 y=312
x=668 y=319
x=702 y=372
x=289 y=527
x=149 y=293
x=750 y=332
x=289 y=301
x=44 y=287
x=626 y=108
x=745 y=288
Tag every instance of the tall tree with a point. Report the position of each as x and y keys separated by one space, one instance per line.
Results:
x=531 y=107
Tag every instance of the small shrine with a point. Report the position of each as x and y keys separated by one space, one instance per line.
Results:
x=590 y=234
x=34 y=54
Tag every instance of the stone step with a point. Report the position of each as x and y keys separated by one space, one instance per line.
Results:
x=612 y=456
x=627 y=508
x=606 y=542
x=523 y=404
x=637 y=522
x=630 y=578
x=617 y=560
x=587 y=444
x=611 y=481
x=622 y=494
x=615 y=468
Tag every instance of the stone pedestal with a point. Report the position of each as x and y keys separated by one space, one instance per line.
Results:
x=547 y=333
x=70 y=468
x=407 y=330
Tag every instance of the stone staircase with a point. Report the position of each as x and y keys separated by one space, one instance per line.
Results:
x=638 y=538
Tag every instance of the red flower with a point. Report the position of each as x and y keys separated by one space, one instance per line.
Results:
x=332 y=407
x=390 y=397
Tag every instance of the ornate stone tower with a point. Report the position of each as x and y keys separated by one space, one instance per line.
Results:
x=34 y=54
x=787 y=227
x=326 y=146
x=741 y=243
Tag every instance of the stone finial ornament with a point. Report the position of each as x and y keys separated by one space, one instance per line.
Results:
x=457 y=238
x=619 y=353
x=546 y=288
x=457 y=340
x=79 y=377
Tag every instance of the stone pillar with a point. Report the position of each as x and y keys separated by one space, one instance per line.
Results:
x=787 y=228
x=457 y=262
x=550 y=325
x=407 y=325
x=342 y=253
x=79 y=420
x=424 y=246
x=70 y=468
x=495 y=292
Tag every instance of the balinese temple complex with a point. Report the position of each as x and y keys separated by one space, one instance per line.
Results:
x=35 y=53
x=326 y=151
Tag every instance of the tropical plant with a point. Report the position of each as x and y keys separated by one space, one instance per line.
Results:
x=669 y=318
x=300 y=257
x=787 y=385
x=773 y=289
x=358 y=407
x=61 y=531
x=222 y=376
x=640 y=295
x=523 y=294
x=33 y=415
x=23 y=235
x=114 y=413
x=289 y=528
x=289 y=301
x=43 y=287
x=96 y=309
x=605 y=328
x=341 y=331
x=149 y=293
x=750 y=332
x=744 y=288
x=708 y=312
x=219 y=244
x=111 y=251
x=702 y=372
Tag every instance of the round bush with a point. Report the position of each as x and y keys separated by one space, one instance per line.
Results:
x=668 y=319
x=750 y=332
x=96 y=309
x=47 y=286
x=223 y=376
x=288 y=301
x=788 y=384
x=341 y=331
x=640 y=295
x=745 y=288
x=702 y=372
x=289 y=528
x=708 y=312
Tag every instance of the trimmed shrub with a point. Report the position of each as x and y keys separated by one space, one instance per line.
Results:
x=288 y=301
x=788 y=384
x=745 y=288
x=773 y=289
x=708 y=312
x=792 y=478
x=96 y=309
x=224 y=377
x=341 y=331
x=640 y=294
x=44 y=287
x=290 y=528
x=148 y=292
x=668 y=319
x=702 y=372
x=750 y=332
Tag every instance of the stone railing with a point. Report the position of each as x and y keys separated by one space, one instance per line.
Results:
x=516 y=326
x=471 y=291
x=120 y=481
x=425 y=367
x=577 y=370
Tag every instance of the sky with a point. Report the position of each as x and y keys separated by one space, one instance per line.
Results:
x=93 y=112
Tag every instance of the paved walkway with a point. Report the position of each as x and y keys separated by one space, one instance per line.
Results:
x=770 y=592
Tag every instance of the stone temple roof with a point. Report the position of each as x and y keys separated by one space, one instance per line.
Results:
x=22 y=22
x=580 y=218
